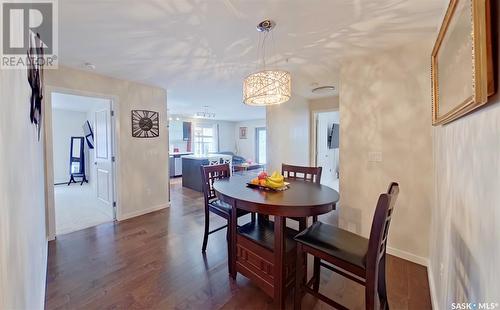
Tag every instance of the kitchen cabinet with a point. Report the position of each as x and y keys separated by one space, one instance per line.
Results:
x=186 y=131
x=175 y=163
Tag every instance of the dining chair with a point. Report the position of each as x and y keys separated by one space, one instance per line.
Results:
x=209 y=174
x=214 y=160
x=352 y=256
x=308 y=174
x=311 y=174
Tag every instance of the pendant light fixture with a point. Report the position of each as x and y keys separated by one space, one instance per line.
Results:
x=267 y=86
x=205 y=113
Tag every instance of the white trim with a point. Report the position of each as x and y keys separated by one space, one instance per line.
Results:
x=432 y=288
x=408 y=256
x=143 y=211
x=48 y=145
x=44 y=277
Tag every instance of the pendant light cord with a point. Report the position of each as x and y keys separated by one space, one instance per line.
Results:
x=261 y=50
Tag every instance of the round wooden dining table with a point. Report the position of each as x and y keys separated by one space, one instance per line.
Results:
x=271 y=269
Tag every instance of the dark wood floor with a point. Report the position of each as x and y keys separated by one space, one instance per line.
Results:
x=155 y=262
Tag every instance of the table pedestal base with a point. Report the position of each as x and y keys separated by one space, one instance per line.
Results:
x=270 y=267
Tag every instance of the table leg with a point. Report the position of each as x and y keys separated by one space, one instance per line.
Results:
x=279 y=261
x=299 y=275
x=302 y=227
x=233 y=223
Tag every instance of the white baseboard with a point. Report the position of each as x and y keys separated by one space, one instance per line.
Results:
x=142 y=212
x=432 y=288
x=44 y=277
x=408 y=256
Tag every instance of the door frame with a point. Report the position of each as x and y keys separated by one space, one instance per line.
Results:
x=257 y=129
x=313 y=147
x=50 y=214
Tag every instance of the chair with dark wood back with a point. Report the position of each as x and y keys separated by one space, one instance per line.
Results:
x=352 y=256
x=210 y=174
x=311 y=174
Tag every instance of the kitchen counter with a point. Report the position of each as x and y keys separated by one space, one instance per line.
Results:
x=200 y=156
x=175 y=159
x=179 y=153
x=191 y=171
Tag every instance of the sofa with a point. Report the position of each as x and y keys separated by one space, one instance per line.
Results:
x=237 y=160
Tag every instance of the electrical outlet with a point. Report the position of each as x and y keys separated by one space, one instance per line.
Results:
x=374 y=156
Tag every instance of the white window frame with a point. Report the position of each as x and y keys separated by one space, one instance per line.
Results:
x=199 y=146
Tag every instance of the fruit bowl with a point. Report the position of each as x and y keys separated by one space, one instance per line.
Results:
x=274 y=182
x=271 y=189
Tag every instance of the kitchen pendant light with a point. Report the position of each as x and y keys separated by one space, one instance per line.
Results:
x=267 y=86
x=205 y=113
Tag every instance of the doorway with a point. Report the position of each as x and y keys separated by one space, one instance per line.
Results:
x=83 y=161
x=327 y=147
x=260 y=143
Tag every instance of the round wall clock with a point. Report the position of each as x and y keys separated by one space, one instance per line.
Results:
x=145 y=124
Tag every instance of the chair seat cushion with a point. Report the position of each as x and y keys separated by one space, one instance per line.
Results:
x=225 y=208
x=220 y=205
x=262 y=233
x=335 y=242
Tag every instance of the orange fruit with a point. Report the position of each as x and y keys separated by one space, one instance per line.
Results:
x=262 y=182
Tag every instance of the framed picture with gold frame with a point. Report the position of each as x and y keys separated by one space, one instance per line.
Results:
x=462 y=61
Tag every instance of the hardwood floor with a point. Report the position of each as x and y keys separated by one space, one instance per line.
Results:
x=155 y=262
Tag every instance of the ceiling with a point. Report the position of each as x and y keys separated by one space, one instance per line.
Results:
x=200 y=50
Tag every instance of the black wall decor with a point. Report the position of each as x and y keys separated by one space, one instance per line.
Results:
x=77 y=160
x=333 y=136
x=145 y=124
x=89 y=134
x=35 y=79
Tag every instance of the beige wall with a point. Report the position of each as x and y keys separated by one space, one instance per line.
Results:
x=23 y=239
x=324 y=104
x=385 y=107
x=465 y=234
x=288 y=133
x=142 y=164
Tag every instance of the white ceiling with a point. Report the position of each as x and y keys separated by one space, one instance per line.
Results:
x=78 y=103
x=200 y=50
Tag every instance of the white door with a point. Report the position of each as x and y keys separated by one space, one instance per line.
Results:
x=103 y=155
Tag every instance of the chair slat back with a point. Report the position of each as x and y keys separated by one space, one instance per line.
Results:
x=211 y=173
x=380 y=225
x=311 y=174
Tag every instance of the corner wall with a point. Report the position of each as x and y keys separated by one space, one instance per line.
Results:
x=465 y=235
x=23 y=239
x=142 y=164
x=288 y=133
x=385 y=106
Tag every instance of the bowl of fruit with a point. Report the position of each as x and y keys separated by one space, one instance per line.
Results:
x=273 y=182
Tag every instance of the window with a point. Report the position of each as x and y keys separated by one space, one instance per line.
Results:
x=260 y=137
x=204 y=139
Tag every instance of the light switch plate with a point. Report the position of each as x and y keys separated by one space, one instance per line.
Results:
x=375 y=156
